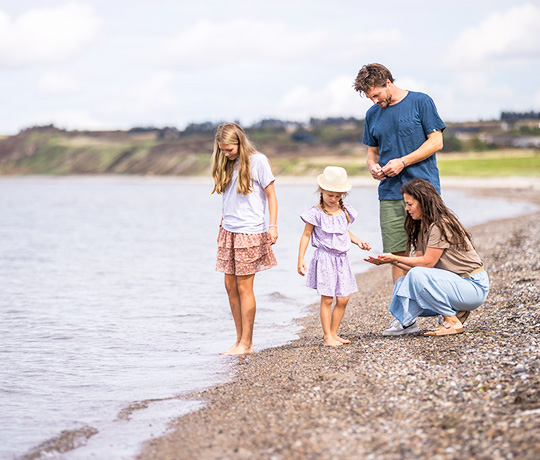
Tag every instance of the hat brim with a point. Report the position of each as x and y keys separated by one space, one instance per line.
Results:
x=341 y=188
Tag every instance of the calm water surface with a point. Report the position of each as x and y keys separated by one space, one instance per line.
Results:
x=110 y=307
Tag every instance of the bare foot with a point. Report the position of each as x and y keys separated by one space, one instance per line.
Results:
x=331 y=342
x=241 y=350
x=228 y=352
x=453 y=321
x=341 y=339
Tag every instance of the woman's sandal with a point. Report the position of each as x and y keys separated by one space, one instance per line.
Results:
x=446 y=329
x=462 y=316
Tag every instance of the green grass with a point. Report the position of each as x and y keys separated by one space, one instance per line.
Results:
x=461 y=165
x=302 y=166
x=490 y=166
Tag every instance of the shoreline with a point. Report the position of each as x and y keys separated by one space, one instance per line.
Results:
x=475 y=395
x=473 y=183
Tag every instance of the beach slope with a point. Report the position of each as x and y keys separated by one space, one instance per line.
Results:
x=475 y=395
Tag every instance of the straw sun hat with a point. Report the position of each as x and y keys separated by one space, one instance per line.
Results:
x=334 y=179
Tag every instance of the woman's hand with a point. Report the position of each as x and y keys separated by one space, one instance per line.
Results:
x=387 y=258
x=381 y=259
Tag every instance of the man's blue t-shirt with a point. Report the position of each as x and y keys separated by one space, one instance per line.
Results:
x=398 y=130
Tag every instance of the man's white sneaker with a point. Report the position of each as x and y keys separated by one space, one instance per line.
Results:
x=397 y=329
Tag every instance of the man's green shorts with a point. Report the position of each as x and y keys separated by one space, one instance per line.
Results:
x=392 y=216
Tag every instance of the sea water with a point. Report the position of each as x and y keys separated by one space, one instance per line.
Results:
x=111 y=311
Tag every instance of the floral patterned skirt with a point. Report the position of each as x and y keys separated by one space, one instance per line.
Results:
x=244 y=253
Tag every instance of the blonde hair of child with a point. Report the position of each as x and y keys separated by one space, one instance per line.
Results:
x=222 y=168
x=341 y=204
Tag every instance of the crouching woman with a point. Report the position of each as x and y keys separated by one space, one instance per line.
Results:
x=445 y=276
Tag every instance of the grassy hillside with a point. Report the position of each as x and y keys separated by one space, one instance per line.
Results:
x=58 y=152
x=297 y=151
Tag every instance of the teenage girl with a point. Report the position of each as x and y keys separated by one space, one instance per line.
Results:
x=244 y=179
x=327 y=224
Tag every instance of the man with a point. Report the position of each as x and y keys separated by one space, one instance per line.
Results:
x=402 y=131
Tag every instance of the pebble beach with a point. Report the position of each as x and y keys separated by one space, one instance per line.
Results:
x=470 y=396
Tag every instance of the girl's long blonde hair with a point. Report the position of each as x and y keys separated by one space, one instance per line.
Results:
x=222 y=167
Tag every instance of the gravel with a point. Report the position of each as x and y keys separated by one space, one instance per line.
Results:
x=474 y=395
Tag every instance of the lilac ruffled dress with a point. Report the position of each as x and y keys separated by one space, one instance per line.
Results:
x=330 y=271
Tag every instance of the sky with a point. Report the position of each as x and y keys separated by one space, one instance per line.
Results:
x=115 y=64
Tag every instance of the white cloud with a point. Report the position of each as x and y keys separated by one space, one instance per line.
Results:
x=472 y=96
x=58 y=83
x=68 y=119
x=536 y=99
x=147 y=98
x=208 y=45
x=502 y=36
x=373 y=43
x=46 y=35
x=337 y=98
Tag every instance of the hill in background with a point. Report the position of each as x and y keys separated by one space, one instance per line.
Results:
x=293 y=148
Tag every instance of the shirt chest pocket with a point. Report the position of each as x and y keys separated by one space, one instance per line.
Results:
x=407 y=125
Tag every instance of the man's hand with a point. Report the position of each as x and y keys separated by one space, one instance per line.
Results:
x=377 y=172
x=393 y=167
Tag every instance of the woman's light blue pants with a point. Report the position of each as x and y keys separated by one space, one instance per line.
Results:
x=432 y=291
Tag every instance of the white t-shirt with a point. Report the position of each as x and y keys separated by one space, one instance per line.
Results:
x=245 y=214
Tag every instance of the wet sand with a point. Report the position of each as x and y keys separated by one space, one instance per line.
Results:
x=474 y=395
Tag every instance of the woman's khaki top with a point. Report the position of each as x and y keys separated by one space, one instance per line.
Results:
x=452 y=259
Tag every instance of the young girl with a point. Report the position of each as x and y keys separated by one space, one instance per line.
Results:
x=244 y=179
x=327 y=224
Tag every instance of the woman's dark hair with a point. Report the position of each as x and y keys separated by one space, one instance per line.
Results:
x=434 y=211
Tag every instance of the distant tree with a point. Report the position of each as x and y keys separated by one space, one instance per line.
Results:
x=529 y=131
x=509 y=116
x=206 y=128
x=272 y=124
x=142 y=129
x=478 y=145
x=302 y=135
x=50 y=127
x=452 y=143
x=334 y=121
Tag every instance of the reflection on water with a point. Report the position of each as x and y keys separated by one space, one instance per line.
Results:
x=110 y=307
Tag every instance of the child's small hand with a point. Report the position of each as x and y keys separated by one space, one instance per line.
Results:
x=301 y=267
x=363 y=245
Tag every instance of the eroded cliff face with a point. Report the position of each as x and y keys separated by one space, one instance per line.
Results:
x=52 y=151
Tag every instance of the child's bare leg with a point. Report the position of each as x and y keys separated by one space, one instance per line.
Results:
x=231 y=286
x=247 y=313
x=326 y=322
x=337 y=316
